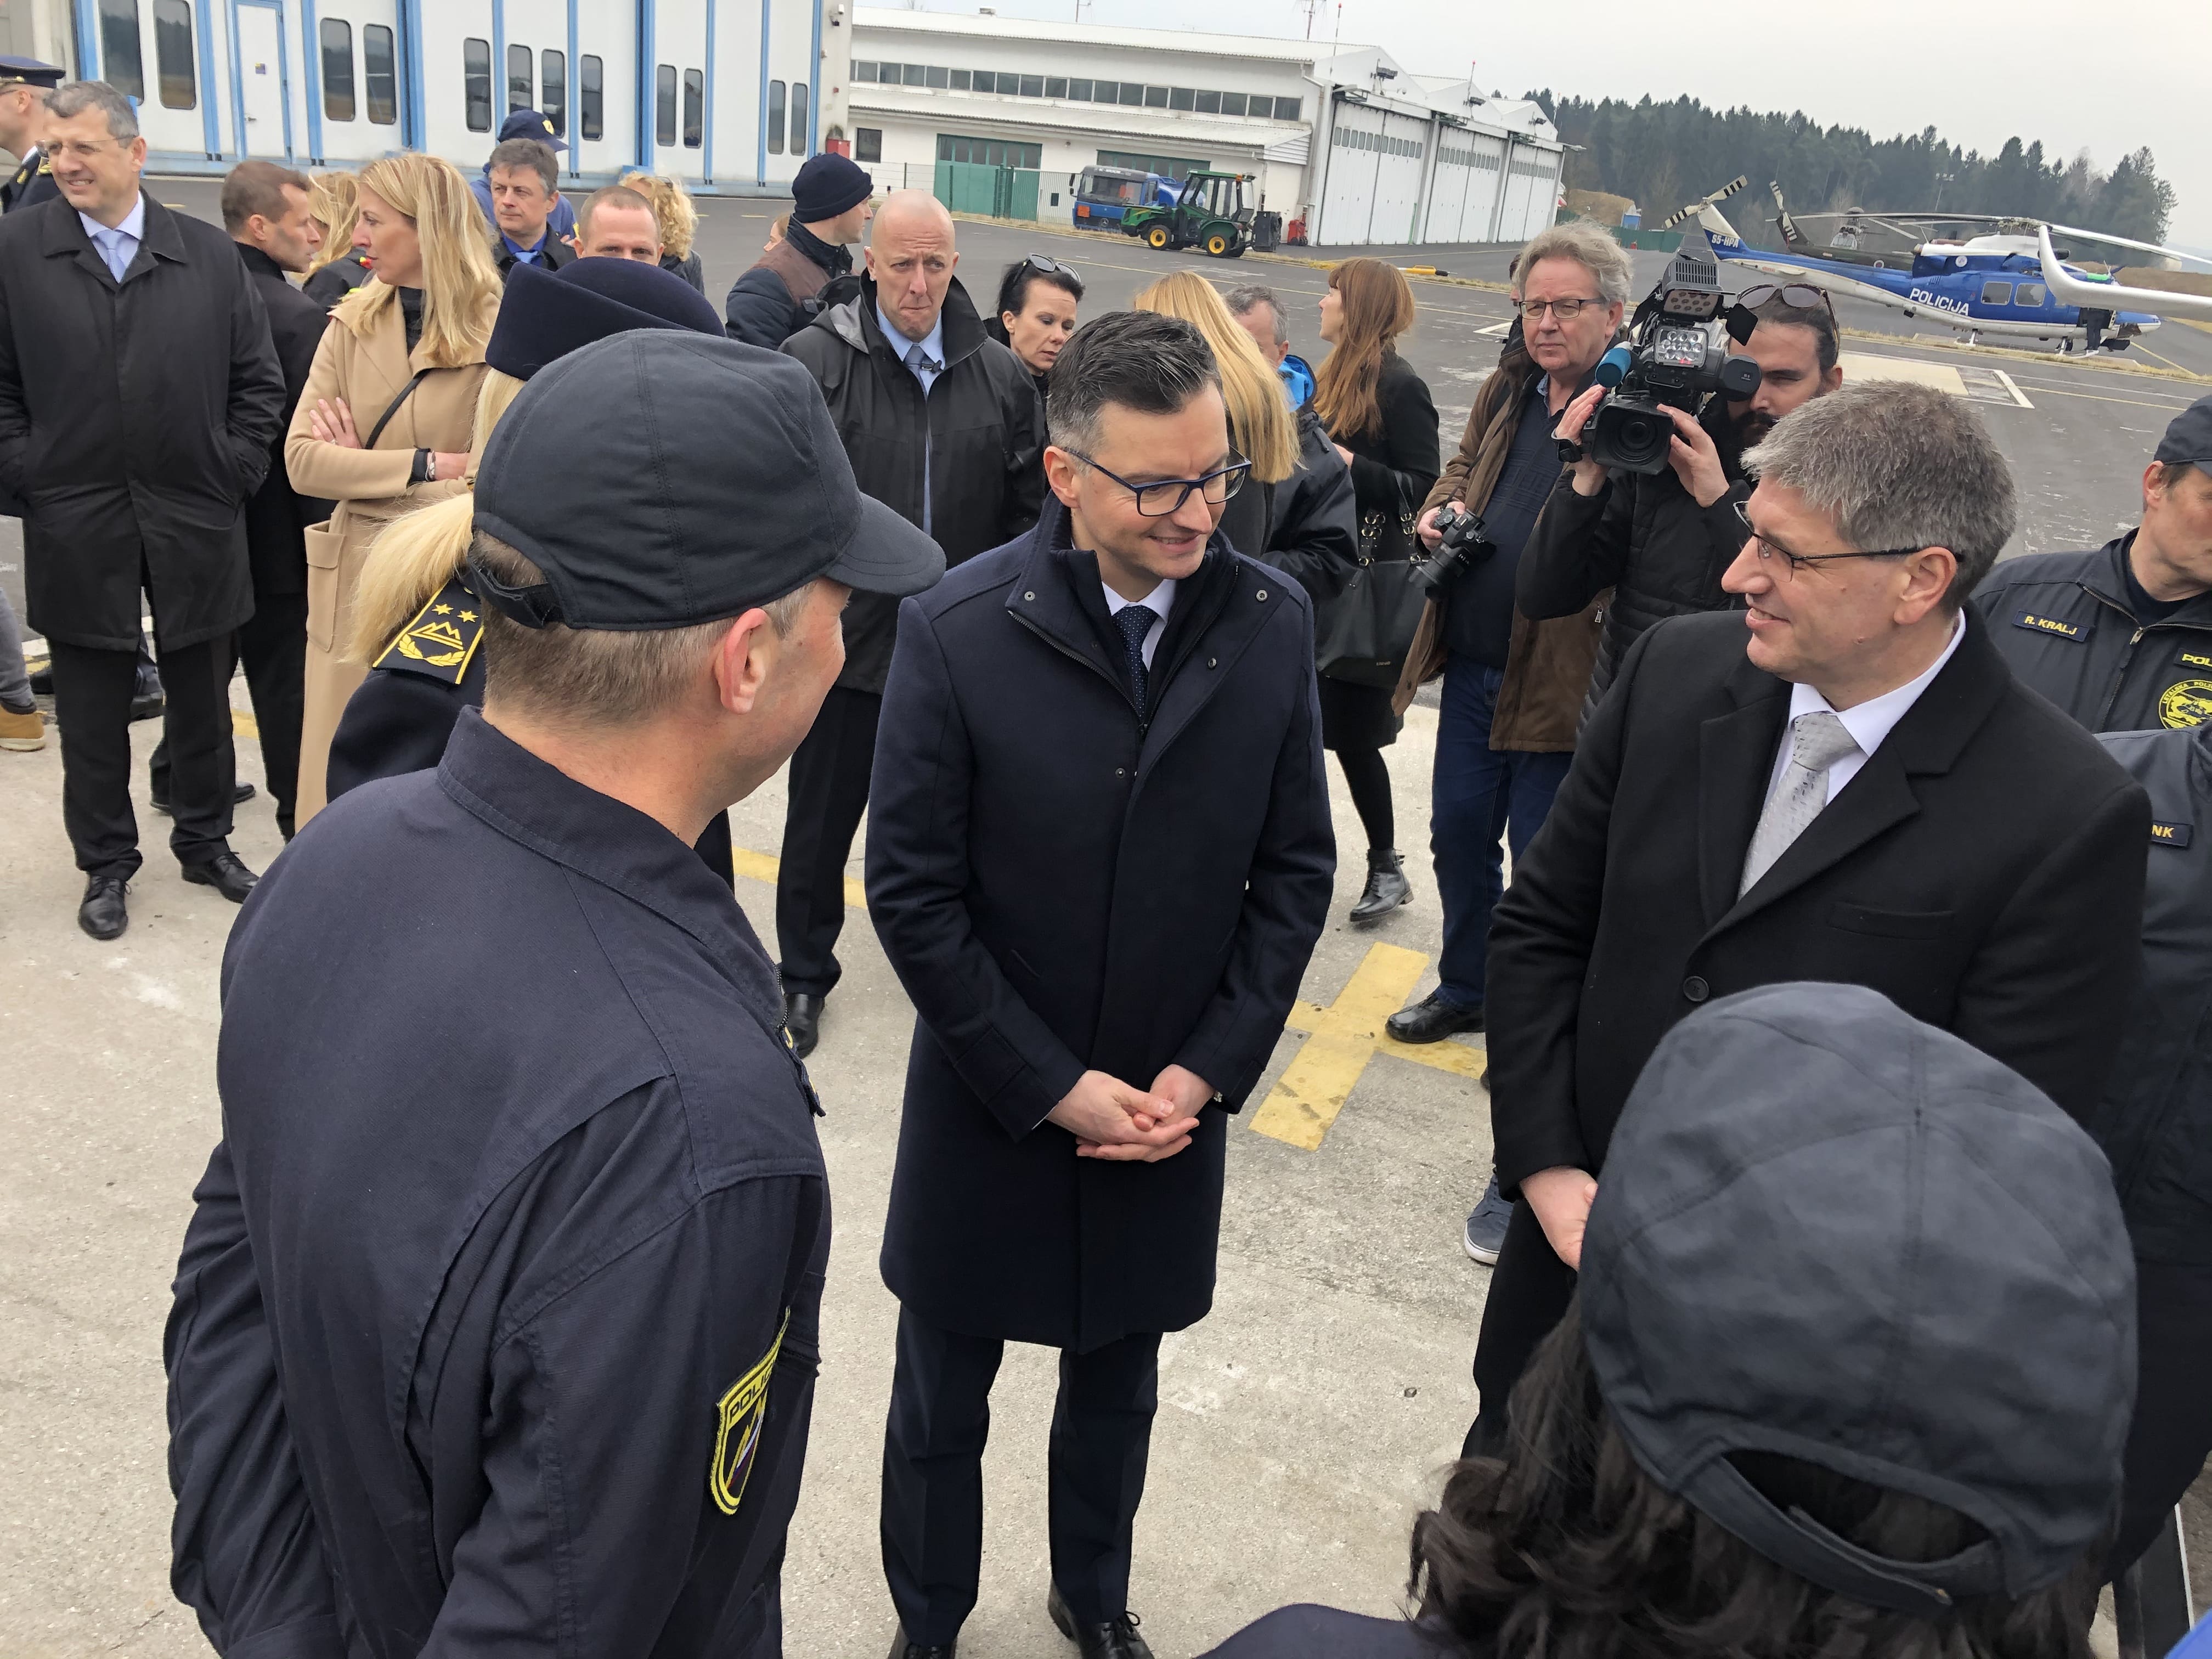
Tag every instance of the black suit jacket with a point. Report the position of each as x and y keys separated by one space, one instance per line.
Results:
x=1983 y=870
x=277 y=513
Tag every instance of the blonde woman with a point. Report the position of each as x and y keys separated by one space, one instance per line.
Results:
x=679 y=220
x=385 y=424
x=1261 y=422
x=341 y=265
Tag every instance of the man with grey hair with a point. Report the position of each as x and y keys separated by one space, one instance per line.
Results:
x=1842 y=782
x=139 y=395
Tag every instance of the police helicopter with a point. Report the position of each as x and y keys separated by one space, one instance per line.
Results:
x=2006 y=283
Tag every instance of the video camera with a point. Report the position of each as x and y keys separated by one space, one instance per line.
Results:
x=1674 y=361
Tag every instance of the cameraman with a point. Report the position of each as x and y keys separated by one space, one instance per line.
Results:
x=1505 y=730
x=1661 y=540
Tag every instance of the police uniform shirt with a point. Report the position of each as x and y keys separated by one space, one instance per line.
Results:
x=31 y=183
x=497 y=1320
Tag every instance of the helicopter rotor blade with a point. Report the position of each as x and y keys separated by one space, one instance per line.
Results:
x=1702 y=203
x=2072 y=290
x=2122 y=241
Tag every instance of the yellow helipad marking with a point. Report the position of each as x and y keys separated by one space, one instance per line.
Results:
x=763 y=867
x=1865 y=366
x=1346 y=1035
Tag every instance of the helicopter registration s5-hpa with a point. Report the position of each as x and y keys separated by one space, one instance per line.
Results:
x=2004 y=282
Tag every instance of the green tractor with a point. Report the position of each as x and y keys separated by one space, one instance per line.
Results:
x=1209 y=214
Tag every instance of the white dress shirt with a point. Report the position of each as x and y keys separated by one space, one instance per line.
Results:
x=1867 y=722
x=119 y=246
x=1160 y=601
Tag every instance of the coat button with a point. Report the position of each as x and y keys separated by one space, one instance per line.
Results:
x=1213 y=662
x=1261 y=594
x=1121 y=771
x=1696 y=989
x=1028 y=596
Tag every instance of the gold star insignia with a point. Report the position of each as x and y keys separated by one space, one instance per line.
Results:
x=468 y=616
x=444 y=610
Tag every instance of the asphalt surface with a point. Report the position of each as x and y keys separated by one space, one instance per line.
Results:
x=1302 y=1425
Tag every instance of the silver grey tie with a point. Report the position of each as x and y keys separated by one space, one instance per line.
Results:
x=1817 y=741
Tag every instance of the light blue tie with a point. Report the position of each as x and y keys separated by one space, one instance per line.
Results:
x=925 y=368
x=112 y=249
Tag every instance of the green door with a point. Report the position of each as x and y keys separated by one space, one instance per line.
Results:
x=968 y=187
x=1022 y=195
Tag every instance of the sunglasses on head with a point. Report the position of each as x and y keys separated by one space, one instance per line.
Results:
x=1045 y=267
x=1803 y=295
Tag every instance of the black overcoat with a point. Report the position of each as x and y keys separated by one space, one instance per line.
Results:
x=277 y=512
x=1983 y=870
x=135 y=421
x=1063 y=886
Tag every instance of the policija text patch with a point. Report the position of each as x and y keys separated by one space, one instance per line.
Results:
x=740 y=1416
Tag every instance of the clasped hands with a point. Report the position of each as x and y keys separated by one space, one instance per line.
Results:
x=1111 y=1120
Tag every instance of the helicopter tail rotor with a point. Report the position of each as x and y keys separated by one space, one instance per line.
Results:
x=1699 y=207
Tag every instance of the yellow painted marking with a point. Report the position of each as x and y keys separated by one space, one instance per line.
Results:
x=763 y=867
x=1342 y=1038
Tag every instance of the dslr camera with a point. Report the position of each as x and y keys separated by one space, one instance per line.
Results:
x=1676 y=361
x=1465 y=544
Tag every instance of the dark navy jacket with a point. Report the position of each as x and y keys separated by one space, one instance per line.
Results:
x=1306 y=1631
x=2062 y=620
x=2155 y=1121
x=496 y=1327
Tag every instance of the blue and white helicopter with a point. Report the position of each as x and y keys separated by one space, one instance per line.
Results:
x=2007 y=282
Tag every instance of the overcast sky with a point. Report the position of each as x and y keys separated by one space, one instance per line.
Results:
x=2107 y=76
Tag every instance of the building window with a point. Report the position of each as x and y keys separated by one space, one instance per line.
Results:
x=1055 y=86
x=1010 y=85
x=867 y=144
x=1131 y=93
x=916 y=75
x=1031 y=86
x=120 y=58
x=801 y=141
x=380 y=73
x=476 y=82
x=590 y=114
x=1078 y=92
x=960 y=81
x=553 y=90
x=695 y=108
x=987 y=152
x=1290 y=109
x=863 y=70
x=938 y=77
x=664 y=104
x=775 y=117
x=1182 y=98
x=1232 y=103
x=1209 y=103
x=173 y=53
x=1155 y=97
x=338 y=70
x=986 y=81
x=520 y=89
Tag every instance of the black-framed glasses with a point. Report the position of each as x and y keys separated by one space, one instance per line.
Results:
x=1794 y=563
x=1166 y=495
x=1564 y=310
x=1802 y=295
x=1045 y=267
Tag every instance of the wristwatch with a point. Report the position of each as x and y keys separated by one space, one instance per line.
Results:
x=426 y=468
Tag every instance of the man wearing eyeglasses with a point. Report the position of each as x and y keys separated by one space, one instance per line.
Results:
x=1660 y=541
x=1099 y=854
x=1842 y=782
x=942 y=426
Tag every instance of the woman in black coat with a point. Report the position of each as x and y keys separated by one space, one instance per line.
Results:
x=1038 y=298
x=1384 y=424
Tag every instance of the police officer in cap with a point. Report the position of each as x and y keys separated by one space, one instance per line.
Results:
x=496 y=1321
x=2121 y=638
x=24 y=84
x=561 y=224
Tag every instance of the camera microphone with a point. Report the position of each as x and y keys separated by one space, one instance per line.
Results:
x=1613 y=367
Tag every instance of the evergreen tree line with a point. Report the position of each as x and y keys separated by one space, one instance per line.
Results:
x=1662 y=155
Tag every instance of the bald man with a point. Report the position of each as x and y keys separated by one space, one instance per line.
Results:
x=943 y=426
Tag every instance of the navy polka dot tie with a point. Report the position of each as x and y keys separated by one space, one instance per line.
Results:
x=1135 y=622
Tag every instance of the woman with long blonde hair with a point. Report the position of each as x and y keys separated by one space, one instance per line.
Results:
x=1383 y=421
x=341 y=265
x=385 y=423
x=1261 y=422
x=678 y=218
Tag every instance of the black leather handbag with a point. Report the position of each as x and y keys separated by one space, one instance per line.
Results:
x=1366 y=630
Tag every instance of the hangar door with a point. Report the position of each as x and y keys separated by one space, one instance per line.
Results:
x=1375 y=167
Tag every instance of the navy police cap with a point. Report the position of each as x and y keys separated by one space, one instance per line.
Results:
x=531 y=124
x=30 y=72
x=2189 y=437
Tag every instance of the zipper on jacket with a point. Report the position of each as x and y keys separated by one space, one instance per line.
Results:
x=2128 y=652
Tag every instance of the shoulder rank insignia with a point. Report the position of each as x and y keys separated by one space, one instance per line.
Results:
x=2186 y=702
x=2035 y=623
x=740 y=1414
x=441 y=639
x=2169 y=834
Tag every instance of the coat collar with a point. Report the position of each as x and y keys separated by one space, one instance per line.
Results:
x=1735 y=759
x=601 y=839
x=835 y=259
x=259 y=263
x=62 y=234
x=855 y=323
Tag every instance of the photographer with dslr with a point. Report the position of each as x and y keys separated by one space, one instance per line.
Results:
x=1661 y=534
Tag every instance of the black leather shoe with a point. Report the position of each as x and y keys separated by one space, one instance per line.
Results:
x=42 y=681
x=802 y=1017
x=1387 y=887
x=1116 y=1638
x=241 y=793
x=902 y=1649
x=1432 y=1020
x=227 y=874
x=103 y=915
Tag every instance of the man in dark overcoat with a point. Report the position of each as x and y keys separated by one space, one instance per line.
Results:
x=1099 y=857
x=1843 y=782
x=139 y=393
